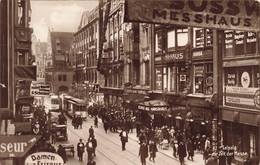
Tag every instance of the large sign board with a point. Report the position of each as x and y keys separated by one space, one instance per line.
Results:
x=242 y=97
x=44 y=158
x=222 y=14
x=40 y=90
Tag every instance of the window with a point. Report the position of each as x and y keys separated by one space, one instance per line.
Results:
x=239 y=43
x=171 y=39
x=158 y=77
x=59 y=77
x=239 y=38
x=158 y=42
x=182 y=37
x=65 y=77
x=177 y=38
x=202 y=37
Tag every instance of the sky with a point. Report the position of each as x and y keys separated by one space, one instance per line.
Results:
x=61 y=15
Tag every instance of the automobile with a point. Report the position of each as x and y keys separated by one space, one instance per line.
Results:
x=59 y=132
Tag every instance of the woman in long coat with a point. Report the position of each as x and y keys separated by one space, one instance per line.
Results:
x=190 y=150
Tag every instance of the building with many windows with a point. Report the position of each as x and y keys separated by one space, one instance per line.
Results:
x=86 y=52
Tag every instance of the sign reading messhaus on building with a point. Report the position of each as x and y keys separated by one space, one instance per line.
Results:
x=225 y=14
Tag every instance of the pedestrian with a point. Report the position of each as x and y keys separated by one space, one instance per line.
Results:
x=124 y=138
x=206 y=154
x=190 y=150
x=80 y=121
x=91 y=161
x=91 y=131
x=96 y=121
x=105 y=126
x=74 y=122
x=94 y=142
x=61 y=151
x=90 y=148
x=175 y=148
x=182 y=152
x=207 y=144
x=80 y=149
x=36 y=128
x=142 y=137
x=152 y=150
x=143 y=152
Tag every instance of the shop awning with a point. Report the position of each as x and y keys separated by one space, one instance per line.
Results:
x=25 y=72
x=154 y=106
x=17 y=146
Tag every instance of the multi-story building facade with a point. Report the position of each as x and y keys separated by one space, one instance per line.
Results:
x=86 y=51
x=17 y=73
x=58 y=70
x=241 y=95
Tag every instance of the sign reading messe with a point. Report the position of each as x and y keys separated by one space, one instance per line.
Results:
x=225 y=14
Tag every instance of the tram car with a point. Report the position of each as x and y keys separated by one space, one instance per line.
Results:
x=75 y=107
x=52 y=105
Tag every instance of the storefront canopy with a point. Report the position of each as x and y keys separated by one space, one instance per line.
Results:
x=154 y=106
x=17 y=146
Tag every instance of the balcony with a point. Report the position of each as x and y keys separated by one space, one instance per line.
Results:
x=23 y=38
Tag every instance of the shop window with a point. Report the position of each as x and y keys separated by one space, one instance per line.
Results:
x=158 y=42
x=199 y=76
x=239 y=38
x=229 y=40
x=245 y=77
x=230 y=77
x=203 y=78
x=202 y=37
x=181 y=78
x=252 y=143
x=250 y=42
x=158 y=75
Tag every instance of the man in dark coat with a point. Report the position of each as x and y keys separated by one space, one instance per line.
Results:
x=182 y=152
x=96 y=121
x=94 y=142
x=190 y=150
x=61 y=151
x=80 y=149
x=143 y=152
x=152 y=150
x=91 y=131
x=124 y=138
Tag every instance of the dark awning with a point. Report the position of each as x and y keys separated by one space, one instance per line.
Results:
x=154 y=106
x=25 y=72
x=17 y=146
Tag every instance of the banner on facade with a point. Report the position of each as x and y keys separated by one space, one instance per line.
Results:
x=225 y=14
x=17 y=146
x=242 y=97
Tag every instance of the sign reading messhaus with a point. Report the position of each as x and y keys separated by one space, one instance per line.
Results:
x=225 y=14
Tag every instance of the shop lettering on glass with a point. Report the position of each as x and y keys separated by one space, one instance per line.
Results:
x=228 y=14
x=12 y=148
x=228 y=39
x=231 y=79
